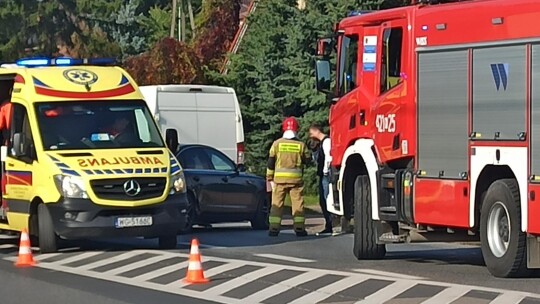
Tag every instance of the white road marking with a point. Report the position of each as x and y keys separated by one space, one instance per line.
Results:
x=448 y=295
x=388 y=274
x=135 y=265
x=159 y=272
x=329 y=290
x=241 y=280
x=283 y=258
x=508 y=297
x=75 y=258
x=388 y=293
x=451 y=291
x=117 y=258
x=282 y=287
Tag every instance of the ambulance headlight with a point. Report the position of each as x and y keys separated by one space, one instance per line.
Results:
x=70 y=186
x=178 y=183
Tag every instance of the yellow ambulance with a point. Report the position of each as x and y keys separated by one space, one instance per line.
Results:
x=82 y=156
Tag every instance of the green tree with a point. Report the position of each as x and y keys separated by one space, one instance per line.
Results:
x=273 y=71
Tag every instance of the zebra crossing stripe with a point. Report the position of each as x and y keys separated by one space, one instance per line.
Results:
x=388 y=292
x=266 y=282
x=508 y=297
x=448 y=295
x=329 y=290
x=282 y=287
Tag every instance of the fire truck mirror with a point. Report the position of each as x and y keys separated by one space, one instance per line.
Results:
x=323 y=74
x=324 y=47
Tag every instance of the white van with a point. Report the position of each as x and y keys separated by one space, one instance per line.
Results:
x=208 y=115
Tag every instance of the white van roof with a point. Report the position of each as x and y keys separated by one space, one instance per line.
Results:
x=184 y=88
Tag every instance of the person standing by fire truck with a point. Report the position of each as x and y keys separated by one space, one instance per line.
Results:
x=323 y=159
x=285 y=173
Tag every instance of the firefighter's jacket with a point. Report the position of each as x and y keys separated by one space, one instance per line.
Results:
x=286 y=161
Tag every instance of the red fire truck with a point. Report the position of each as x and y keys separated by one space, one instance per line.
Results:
x=435 y=126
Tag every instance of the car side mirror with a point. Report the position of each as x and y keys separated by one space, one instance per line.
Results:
x=241 y=168
x=19 y=148
x=171 y=139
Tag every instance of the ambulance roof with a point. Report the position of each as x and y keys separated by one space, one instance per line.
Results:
x=70 y=82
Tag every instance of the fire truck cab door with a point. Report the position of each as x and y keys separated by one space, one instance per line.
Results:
x=390 y=117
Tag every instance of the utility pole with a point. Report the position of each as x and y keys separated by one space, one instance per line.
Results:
x=191 y=18
x=173 y=19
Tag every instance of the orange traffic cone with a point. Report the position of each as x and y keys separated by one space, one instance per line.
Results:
x=195 y=272
x=25 y=252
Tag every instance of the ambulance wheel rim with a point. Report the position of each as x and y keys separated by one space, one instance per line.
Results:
x=498 y=229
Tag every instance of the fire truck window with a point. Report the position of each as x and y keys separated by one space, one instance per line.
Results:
x=348 y=64
x=391 y=58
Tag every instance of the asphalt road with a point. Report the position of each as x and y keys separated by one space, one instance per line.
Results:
x=247 y=267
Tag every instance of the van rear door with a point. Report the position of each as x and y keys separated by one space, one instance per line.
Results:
x=178 y=110
x=217 y=121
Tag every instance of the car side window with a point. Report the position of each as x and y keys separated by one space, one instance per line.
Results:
x=20 y=124
x=195 y=158
x=219 y=161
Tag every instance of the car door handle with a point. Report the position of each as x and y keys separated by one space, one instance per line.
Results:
x=225 y=179
x=249 y=182
x=196 y=178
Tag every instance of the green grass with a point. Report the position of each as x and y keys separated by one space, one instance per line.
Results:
x=309 y=200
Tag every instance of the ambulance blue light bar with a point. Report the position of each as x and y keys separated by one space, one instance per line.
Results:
x=358 y=13
x=42 y=62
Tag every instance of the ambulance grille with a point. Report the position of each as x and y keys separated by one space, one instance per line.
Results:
x=114 y=189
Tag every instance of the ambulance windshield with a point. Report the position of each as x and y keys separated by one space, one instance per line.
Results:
x=97 y=125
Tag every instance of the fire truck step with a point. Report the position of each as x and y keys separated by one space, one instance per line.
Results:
x=388 y=209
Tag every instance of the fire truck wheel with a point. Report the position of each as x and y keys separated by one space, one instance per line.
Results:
x=365 y=228
x=48 y=240
x=503 y=242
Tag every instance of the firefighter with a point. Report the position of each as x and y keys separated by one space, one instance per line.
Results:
x=285 y=171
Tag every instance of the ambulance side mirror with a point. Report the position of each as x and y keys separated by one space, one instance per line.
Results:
x=171 y=139
x=19 y=148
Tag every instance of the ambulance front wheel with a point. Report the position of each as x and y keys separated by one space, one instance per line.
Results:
x=365 y=228
x=503 y=243
x=48 y=240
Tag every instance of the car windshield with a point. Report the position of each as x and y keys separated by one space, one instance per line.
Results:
x=97 y=125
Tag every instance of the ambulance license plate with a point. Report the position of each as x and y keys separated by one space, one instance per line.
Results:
x=139 y=221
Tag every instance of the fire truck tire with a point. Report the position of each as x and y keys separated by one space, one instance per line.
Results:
x=503 y=242
x=48 y=240
x=365 y=228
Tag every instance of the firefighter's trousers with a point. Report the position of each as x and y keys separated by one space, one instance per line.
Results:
x=296 y=193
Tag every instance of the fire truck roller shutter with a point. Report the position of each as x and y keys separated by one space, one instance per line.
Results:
x=443 y=113
x=500 y=92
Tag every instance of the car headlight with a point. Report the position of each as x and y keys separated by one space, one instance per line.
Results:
x=178 y=183
x=70 y=186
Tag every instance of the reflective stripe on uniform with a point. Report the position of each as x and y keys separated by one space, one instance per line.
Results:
x=289 y=147
x=274 y=219
x=291 y=173
x=299 y=219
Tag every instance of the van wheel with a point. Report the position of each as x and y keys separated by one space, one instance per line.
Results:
x=365 y=228
x=48 y=240
x=503 y=242
x=260 y=220
x=167 y=242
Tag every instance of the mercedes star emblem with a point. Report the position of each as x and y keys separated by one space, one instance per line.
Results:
x=132 y=187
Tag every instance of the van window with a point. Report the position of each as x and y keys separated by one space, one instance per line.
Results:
x=20 y=123
x=348 y=64
x=97 y=125
x=391 y=58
